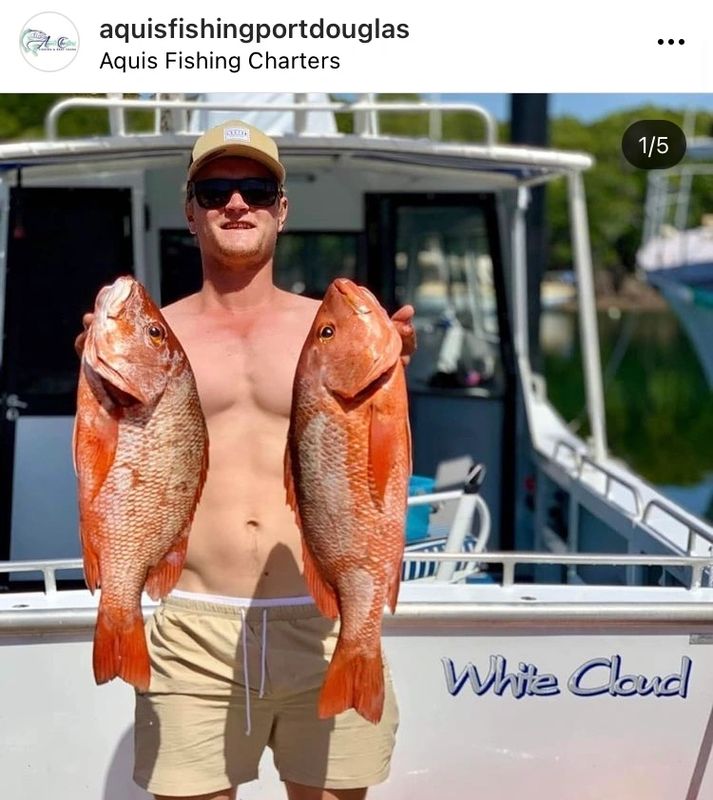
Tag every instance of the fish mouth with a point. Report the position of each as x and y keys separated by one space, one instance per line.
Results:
x=113 y=299
x=119 y=396
x=352 y=294
x=113 y=382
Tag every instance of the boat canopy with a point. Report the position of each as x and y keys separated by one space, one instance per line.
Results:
x=495 y=165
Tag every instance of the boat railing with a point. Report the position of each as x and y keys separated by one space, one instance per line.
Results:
x=171 y=112
x=578 y=463
x=668 y=196
x=48 y=568
x=508 y=562
x=653 y=514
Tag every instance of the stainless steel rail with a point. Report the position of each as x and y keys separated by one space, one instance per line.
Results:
x=509 y=561
x=114 y=104
x=611 y=480
x=527 y=611
x=663 y=194
x=555 y=617
x=589 y=338
x=594 y=617
x=643 y=511
x=468 y=504
x=48 y=569
x=692 y=529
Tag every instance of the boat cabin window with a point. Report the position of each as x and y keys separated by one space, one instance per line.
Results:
x=435 y=256
x=305 y=262
x=443 y=267
x=63 y=245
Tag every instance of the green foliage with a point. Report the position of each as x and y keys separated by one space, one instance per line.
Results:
x=656 y=396
x=615 y=189
x=22 y=117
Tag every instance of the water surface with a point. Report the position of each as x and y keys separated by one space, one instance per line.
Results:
x=659 y=407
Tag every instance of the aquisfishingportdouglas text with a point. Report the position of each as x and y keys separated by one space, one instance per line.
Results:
x=253 y=32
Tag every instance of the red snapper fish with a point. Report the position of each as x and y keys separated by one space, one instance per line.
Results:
x=347 y=465
x=141 y=456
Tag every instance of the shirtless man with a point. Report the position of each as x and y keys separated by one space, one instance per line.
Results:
x=238 y=649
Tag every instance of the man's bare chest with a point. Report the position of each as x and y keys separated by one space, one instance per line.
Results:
x=251 y=373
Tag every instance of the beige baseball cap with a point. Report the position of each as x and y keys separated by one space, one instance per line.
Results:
x=236 y=138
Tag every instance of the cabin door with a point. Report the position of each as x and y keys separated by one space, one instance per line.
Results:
x=440 y=253
x=62 y=246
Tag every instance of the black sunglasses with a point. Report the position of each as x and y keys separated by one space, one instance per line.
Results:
x=213 y=193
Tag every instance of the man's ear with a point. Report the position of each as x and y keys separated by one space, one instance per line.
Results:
x=189 y=218
x=282 y=213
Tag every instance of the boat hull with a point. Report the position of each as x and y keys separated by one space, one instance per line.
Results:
x=513 y=698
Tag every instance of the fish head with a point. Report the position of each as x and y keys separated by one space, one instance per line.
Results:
x=129 y=345
x=352 y=342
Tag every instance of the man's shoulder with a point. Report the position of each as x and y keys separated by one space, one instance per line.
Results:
x=300 y=302
x=182 y=305
x=186 y=306
x=304 y=307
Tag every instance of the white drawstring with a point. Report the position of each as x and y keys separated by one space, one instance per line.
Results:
x=264 y=652
x=248 y=720
x=242 y=603
x=263 y=660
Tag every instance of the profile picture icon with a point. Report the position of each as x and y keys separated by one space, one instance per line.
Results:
x=49 y=41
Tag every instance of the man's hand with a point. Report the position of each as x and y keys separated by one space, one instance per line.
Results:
x=79 y=341
x=403 y=320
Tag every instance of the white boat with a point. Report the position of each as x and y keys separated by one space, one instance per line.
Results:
x=678 y=259
x=554 y=632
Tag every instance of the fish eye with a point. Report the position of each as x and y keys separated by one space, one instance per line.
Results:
x=157 y=333
x=326 y=332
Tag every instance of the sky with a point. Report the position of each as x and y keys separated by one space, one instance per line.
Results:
x=589 y=107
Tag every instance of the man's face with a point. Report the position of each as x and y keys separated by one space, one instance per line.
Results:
x=236 y=235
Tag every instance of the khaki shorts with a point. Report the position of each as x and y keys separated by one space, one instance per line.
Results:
x=206 y=720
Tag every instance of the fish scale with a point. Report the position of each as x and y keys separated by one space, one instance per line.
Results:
x=347 y=465
x=141 y=464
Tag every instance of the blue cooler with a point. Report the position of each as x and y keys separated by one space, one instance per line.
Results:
x=417 y=516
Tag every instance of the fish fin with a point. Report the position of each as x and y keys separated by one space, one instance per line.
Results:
x=95 y=438
x=394 y=586
x=396 y=583
x=353 y=681
x=94 y=442
x=162 y=577
x=409 y=450
x=323 y=594
x=120 y=649
x=289 y=479
x=382 y=435
x=92 y=572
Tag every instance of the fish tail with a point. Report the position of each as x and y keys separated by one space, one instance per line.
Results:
x=120 y=649
x=353 y=680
